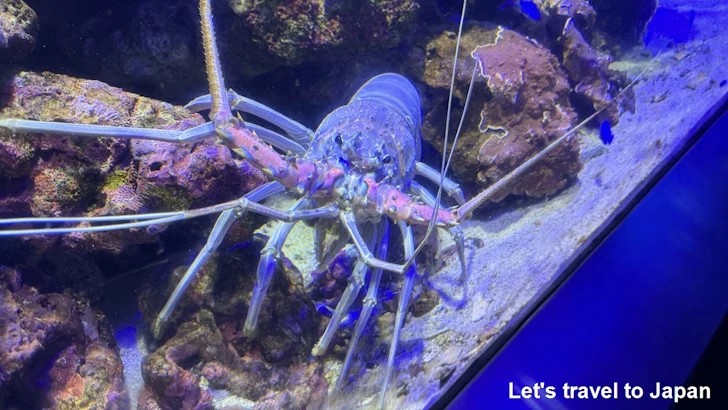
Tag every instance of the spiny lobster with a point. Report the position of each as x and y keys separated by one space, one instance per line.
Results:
x=357 y=167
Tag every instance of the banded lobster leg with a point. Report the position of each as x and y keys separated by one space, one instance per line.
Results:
x=356 y=282
x=369 y=302
x=410 y=273
x=266 y=266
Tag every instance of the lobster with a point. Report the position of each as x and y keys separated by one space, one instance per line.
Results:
x=358 y=167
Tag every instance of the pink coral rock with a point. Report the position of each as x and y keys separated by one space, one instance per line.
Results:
x=520 y=103
x=55 y=351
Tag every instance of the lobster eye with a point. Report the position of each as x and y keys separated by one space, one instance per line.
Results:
x=338 y=140
x=387 y=159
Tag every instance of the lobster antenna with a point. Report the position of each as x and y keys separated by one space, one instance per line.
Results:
x=445 y=157
x=220 y=111
x=471 y=205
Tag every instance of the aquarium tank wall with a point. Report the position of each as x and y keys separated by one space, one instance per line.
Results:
x=312 y=204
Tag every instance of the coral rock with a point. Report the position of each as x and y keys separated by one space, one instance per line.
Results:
x=520 y=103
x=52 y=175
x=174 y=371
x=583 y=41
x=56 y=351
x=18 y=30
x=590 y=72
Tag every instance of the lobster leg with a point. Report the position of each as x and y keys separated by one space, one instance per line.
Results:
x=223 y=224
x=295 y=130
x=269 y=256
x=370 y=301
x=87 y=130
x=349 y=221
x=404 y=298
x=326 y=211
x=356 y=282
x=450 y=187
x=456 y=231
x=319 y=235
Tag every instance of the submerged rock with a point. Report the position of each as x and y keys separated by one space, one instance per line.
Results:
x=18 y=30
x=578 y=32
x=520 y=103
x=208 y=351
x=51 y=175
x=589 y=70
x=55 y=352
x=143 y=44
x=294 y=30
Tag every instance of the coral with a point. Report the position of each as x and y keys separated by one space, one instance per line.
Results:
x=173 y=373
x=16 y=156
x=584 y=44
x=577 y=32
x=106 y=175
x=292 y=31
x=207 y=341
x=167 y=370
x=143 y=44
x=29 y=322
x=18 y=30
x=520 y=103
x=56 y=191
x=87 y=378
x=287 y=316
x=103 y=176
x=176 y=177
x=558 y=11
x=55 y=351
